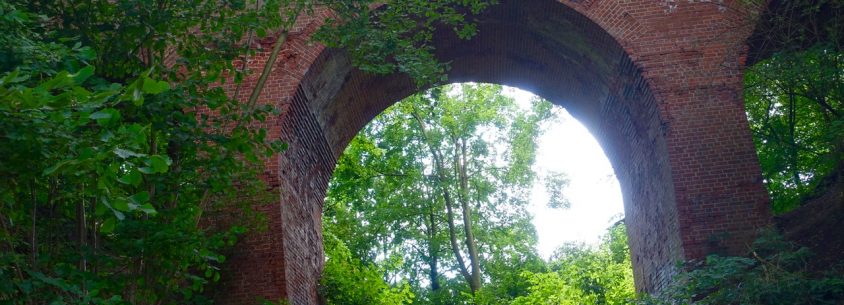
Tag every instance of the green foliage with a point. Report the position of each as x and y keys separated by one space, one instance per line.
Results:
x=583 y=275
x=555 y=184
x=347 y=280
x=108 y=165
x=794 y=102
x=120 y=146
x=398 y=35
x=386 y=201
x=775 y=273
x=795 y=98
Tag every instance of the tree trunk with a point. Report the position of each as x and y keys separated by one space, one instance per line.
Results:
x=792 y=125
x=33 y=237
x=433 y=251
x=475 y=283
x=81 y=231
x=441 y=179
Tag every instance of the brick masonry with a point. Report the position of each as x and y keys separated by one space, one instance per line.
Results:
x=657 y=82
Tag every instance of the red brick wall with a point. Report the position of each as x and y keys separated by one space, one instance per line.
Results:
x=657 y=82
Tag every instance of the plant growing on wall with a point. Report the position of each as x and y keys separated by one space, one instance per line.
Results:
x=118 y=142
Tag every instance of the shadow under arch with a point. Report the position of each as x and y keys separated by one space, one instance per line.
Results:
x=545 y=47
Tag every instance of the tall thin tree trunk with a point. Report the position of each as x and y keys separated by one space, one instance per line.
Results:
x=94 y=236
x=268 y=67
x=33 y=238
x=441 y=179
x=461 y=158
x=433 y=251
x=793 y=153
x=81 y=231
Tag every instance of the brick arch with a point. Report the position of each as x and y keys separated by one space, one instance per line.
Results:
x=659 y=87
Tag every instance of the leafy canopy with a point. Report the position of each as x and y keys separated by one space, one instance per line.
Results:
x=127 y=169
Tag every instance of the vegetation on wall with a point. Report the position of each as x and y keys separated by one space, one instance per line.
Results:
x=794 y=107
x=795 y=102
x=118 y=143
x=795 y=98
x=775 y=272
x=108 y=170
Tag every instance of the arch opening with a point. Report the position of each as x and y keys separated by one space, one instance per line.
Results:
x=384 y=198
x=659 y=90
x=554 y=51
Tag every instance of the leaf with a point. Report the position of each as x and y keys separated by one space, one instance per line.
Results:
x=137 y=97
x=133 y=178
x=105 y=116
x=87 y=53
x=148 y=209
x=52 y=169
x=155 y=87
x=140 y=198
x=83 y=74
x=133 y=93
x=102 y=114
x=108 y=225
x=14 y=77
x=101 y=208
x=125 y=154
x=159 y=163
x=279 y=146
x=120 y=205
x=105 y=201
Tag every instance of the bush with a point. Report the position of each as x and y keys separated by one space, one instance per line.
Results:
x=776 y=272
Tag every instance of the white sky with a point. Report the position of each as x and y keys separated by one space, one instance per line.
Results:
x=593 y=191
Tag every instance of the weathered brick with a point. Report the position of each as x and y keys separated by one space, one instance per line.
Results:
x=659 y=87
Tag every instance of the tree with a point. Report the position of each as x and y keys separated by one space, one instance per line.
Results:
x=794 y=98
x=428 y=186
x=108 y=167
x=794 y=104
x=580 y=274
x=347 y=280
x=117 y=140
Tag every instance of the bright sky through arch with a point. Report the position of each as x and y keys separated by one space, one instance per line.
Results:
x=594 y=192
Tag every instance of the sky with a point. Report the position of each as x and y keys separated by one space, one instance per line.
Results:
x=594 y=192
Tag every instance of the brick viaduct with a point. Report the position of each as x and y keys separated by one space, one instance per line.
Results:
x=658 y=82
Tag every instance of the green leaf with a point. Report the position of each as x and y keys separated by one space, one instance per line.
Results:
x=108 y=225
x=102 y=114
x=155 y=87
x=133 y=93
x=105 y=116
x=52 y=169
x=117 y=213
x=133 y=178
x=148 y=209
x=137 y=97
x=101 y=208
x=140 y=198
x=159 y=163
x=83 y=74
x=125 y=153
x=120 y=204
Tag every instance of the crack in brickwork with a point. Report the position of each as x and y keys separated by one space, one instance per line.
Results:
x=659 y=89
